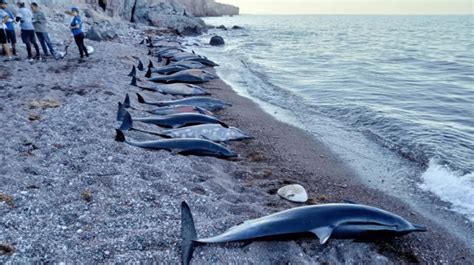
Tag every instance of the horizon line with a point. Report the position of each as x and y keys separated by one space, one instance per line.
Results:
x=357 y=14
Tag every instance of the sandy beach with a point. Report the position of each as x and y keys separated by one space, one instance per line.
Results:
x=70 y=193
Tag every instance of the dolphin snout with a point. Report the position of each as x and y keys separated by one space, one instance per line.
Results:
x=419 y=228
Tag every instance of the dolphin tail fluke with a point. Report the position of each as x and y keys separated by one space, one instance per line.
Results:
x=134 y=81
x=150 y=64
x=140 y=66
x=188 y=234
x=133 y=72
x=119 y=137
x=120 y=112
x=127 y=122
x=148 y=73
x=126 y=102
x=141 y=100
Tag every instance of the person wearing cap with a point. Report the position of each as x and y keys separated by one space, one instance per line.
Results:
x=25 y=17
x=76 y=29
x=39 y=21
x=3 y=35
x=10 y=26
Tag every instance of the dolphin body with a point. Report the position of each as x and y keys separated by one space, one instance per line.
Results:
x=174 y=68
x=162 y=111
x=213 y=132
x=169 y=121
x=208 y=103
x=185 y=90
x=194 y=76
x=197 y=147
x=338 y=220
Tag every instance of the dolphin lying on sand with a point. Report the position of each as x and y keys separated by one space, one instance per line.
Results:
x=338 y=220
x=178 y=89
x=197 y=147
x=186 y=76
x=167 y=110
x=173 y=68
x=212 y=132
x=170 y=121
x=207 y=103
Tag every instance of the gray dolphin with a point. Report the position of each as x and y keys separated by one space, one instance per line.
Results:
x=207 y=103
x=177 y=89
x=167 y=110
x=186 y=76
x=173 y=68
x=169 y=121
x=199 y=147
x=213 y=132
x=338 y=220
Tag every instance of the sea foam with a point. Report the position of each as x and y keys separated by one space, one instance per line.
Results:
x=450 y=186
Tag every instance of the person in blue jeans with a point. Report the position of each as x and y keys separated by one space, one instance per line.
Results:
x=25 y=17
x=76 y=29
x=39 y=21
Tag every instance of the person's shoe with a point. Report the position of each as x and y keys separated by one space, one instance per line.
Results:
x=30 y=59
x=8 y=59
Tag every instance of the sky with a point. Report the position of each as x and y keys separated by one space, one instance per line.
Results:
x=407 y=7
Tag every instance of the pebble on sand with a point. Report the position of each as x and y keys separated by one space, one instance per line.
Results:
x=293 y=193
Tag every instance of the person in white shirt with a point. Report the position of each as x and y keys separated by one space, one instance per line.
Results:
x=25 y=17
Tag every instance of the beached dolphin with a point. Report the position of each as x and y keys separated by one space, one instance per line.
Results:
x=338 y=220
x=173 y=68
x=167 y=110
x=207 y=103
x=202 y=60
x=178 y=89
x=199 y=147
x=212 y=132
x=170 y=121
x=185 y=76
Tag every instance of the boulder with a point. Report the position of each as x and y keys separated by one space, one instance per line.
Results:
x=222 y=27
x=182 y=24
x=217 y=41
x=293 y=193
x=101 y=31
x=237 y=27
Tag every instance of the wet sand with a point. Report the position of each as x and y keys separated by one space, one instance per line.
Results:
x=79 y=196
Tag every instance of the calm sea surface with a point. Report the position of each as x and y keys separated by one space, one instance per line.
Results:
x=393 y=95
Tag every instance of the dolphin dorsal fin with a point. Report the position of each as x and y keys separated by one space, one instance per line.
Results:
x=323 y=233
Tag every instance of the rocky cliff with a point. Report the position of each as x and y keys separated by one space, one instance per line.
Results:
x=181 y=15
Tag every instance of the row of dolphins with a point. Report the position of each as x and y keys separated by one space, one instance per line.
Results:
x=189 y=126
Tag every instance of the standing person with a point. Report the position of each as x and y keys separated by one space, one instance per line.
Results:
x=3 y=34
x=76 y=29
x=25 y=17
x=39 y=21
x=10 y=30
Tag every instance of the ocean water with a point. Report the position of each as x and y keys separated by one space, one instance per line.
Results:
x=392 y=95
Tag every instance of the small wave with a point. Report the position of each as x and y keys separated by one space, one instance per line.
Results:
x=451 y=187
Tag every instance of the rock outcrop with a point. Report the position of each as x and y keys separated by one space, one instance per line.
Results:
x=181 y=15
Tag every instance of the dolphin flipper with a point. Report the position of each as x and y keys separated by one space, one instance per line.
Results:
x=323 y=233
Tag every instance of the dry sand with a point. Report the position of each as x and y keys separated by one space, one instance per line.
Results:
x=73 y=194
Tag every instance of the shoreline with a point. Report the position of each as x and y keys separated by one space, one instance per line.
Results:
x=306 y=161
x=81 y=196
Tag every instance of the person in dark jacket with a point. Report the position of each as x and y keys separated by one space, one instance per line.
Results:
x=76 y=29
x=39 y=21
